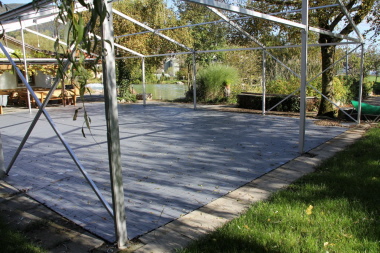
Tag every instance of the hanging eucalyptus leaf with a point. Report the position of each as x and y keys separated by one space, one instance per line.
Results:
x=76 y=113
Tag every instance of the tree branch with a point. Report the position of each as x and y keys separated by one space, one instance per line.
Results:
x=341 y=15
x=362 y=12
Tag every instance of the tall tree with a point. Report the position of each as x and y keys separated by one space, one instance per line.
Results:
x=330 y=19
x=373 y=60
x=155 y=14
x=203 y=37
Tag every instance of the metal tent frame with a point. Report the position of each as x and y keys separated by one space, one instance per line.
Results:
x=24 y=16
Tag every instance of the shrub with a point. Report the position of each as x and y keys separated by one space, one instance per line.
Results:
x=376 y=88
x=344 y=89
x=352 y=85
x=125 y=92
x=212 y=81
x=282 y=86
x=340 y=91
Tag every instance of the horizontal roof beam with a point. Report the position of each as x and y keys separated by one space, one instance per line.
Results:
x=122 y=47
x=30 y=19
x=269 y=17
x=244 y=49
x=30 y=7
x=15 y=25
x=336 y=35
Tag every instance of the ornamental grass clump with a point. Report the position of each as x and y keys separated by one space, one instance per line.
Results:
x=215 y=82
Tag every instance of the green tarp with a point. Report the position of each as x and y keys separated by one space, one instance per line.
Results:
x=366 y=108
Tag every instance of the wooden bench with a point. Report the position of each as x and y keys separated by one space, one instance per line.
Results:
x=20 y=96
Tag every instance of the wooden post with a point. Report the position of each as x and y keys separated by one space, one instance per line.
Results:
x=1 y=109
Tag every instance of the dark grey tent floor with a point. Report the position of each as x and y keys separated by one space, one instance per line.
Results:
x=174 y=159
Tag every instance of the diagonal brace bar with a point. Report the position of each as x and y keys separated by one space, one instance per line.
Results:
x=320 y=93
x=248 y=12
x=151 y=29
x=60 y=136
x=240 y=29
x=345 y=11
x=332 y=65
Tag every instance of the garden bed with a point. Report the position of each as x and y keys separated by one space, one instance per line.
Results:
x=292 y=104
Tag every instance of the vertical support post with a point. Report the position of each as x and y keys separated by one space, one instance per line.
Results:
x=194 y=82
x=2 y=167
x=361 y=83
x=25 y=65
x=143 y=79
x=346 y=62
x=264 y=80
x=113 y=137
x=63 y=92
x=305 y=21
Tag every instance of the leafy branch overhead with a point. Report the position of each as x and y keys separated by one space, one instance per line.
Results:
x=80 y=28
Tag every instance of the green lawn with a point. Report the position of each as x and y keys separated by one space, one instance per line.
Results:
x=376 y=85
x=335 y=209
x=12 y=241
x=372 y=78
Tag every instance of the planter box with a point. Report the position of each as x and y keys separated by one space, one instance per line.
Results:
x=292 y=104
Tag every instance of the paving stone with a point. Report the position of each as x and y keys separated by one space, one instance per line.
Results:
x=309 y=160
x=287 y=175
x=6 y=191
x=17 y=211
x=20 y=202
x=324 y=155
x=300 y=165
x=192 y=225
x=75 y=242
x=248 y=194
x=343 y=143
x=327 y=148
x=53 y=238
x=270 y=184
x=163 y=241
x=348 y=137
x=225 y=207
x=45 y=227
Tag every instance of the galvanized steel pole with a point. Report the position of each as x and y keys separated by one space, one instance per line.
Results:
x=361 y=83
x=194 y=82
x=25 y=65
x=143 y=79
x=263 y=78
x=304 y=34
x=113 y=138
